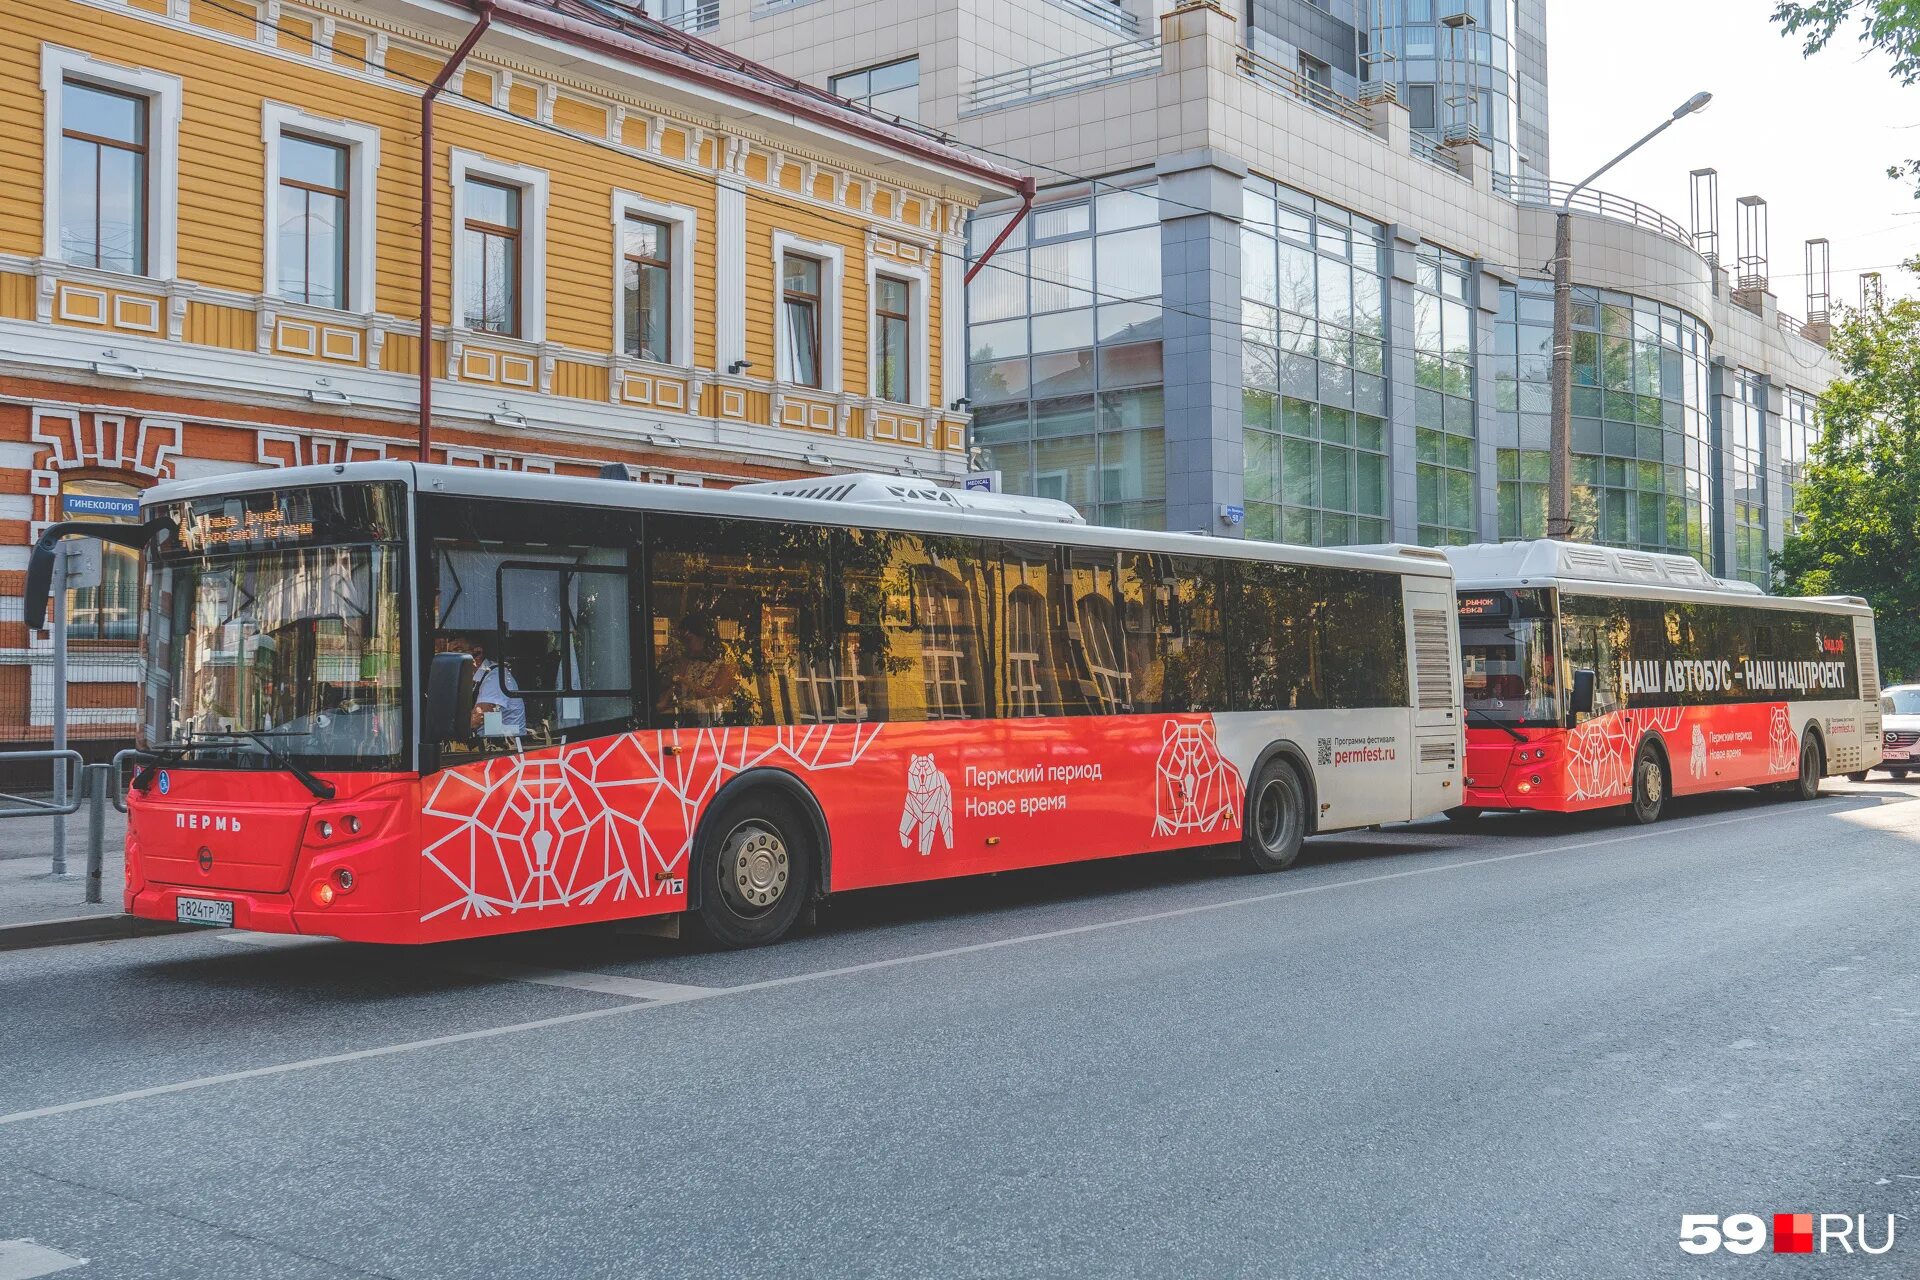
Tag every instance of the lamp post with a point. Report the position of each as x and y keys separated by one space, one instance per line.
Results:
x=1560 y=478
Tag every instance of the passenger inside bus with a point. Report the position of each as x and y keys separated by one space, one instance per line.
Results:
x=698 y=680
x=498 y=710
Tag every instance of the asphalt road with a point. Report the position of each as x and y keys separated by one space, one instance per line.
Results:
x=1525 y=1051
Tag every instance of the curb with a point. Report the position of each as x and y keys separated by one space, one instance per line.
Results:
x=105 y=927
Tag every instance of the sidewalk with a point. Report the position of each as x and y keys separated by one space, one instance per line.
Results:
x=30 y=895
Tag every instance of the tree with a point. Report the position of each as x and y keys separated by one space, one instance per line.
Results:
x=1891 y=26
x=1861 y=498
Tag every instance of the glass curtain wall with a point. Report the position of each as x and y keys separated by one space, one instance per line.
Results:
x=1799 y=432
x=1483 y=88
x=1313 y=284
x=1642 y=465
x=1064 y=350
x=1743 y=439
x=1443 y=397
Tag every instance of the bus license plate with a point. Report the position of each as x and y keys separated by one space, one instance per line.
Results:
x=205 y=911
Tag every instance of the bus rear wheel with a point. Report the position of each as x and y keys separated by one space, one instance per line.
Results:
x=1807 y=785
x=755 y=869
x=1276 y=820
x=1649 y=785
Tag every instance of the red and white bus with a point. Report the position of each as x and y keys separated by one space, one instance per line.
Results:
x=1593 y=677
x=398 y=703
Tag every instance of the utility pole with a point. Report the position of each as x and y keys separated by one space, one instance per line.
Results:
x=1560 y=476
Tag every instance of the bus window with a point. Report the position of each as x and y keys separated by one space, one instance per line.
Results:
x=547 y=614
x=736 y=630
x=1036 y=669
x=916 y=612
x=1508 y=667
x=1095 y=615
x=1175 y=651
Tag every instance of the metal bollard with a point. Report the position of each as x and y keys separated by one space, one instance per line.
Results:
x=99 y=778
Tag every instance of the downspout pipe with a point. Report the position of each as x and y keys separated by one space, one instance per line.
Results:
x=427 y=218
x=1027 y=190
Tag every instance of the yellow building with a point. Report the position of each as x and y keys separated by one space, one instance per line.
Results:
x=644 y=249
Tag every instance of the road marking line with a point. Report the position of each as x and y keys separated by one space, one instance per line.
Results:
x=590 y=1015
x=606 y=984
x=24 y=1260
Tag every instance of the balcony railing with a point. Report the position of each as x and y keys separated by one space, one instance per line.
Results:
x=692 y=16
x=1286 y=80
x=1545 y=194
x=1061 y=75
x=1105 y=13
x=1433 y=152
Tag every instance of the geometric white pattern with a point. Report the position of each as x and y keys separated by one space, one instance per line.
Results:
x=610 y=818
x=1195 y=788
x=1600 y=752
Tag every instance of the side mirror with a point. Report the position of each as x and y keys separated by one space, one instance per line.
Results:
x=1581 y=703
x=449 y=698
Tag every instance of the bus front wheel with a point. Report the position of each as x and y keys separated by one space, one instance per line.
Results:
x=755 y=869
x=1649 y=784
x=1276 y=819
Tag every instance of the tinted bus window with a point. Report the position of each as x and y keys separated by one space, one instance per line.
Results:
x=915 y=614
x=1037 y=676
x=1657 y=653
x=1306 y=637
x=737 y=631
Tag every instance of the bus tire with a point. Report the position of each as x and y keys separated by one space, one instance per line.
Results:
x=756 y=868
x=1276 y=820
x=1649 y=798
x=1858 y=776
x=1812 y=766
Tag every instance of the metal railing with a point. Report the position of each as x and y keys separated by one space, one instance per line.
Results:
x=1426 y=148
x=1543 y=193
x=694 y=18
x=1105 y=12
x=1060 y=75
x=1288 y=81
x=74 y=782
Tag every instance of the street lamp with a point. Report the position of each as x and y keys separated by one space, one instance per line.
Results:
x=1560 y=479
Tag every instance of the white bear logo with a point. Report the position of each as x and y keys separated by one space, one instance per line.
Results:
x=1195 y=789
x=1698 y=765
x=929 y=805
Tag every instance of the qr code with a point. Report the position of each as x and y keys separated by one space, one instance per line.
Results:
x=1326 y=753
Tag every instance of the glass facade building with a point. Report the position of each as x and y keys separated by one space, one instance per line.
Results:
x=1313 y=358
x=1642 y=467
x=1065 y=355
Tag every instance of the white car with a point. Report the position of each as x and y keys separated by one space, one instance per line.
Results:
x=1900 y=729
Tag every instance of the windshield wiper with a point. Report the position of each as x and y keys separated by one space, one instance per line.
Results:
x=1501 y=725
x=319 y=788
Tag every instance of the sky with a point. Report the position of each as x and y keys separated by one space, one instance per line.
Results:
x=1814 y=136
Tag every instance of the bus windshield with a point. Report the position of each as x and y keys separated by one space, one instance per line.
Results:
x=1507 y=658
x=299 y=645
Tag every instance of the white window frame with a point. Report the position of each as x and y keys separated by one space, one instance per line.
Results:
x=532 y=183
x=363 y=163
x=162 y=93
x=919 y=287
x=832 y=335
x=683 y=226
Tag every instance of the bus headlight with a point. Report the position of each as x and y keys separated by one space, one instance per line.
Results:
x=322 y=894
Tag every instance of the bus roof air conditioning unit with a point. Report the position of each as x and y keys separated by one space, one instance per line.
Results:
x=871 y=490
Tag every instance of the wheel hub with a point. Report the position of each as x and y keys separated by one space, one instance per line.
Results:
x=753 y=867
x=1270 y=815
x=1651 y=784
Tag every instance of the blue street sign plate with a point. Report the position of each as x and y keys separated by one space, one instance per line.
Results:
x=89 y=504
